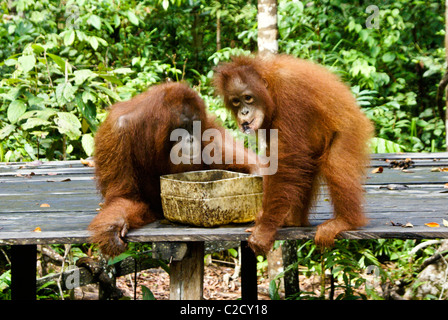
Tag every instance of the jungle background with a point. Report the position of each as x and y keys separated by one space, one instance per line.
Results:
x=62 y=63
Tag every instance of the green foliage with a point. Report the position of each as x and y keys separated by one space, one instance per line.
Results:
x=356 y=268
x=147 y=293
x=62 y=65
x=5 y=285
x=394 y=70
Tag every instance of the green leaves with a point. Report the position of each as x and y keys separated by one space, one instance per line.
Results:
x=61 y=63
x=88 y=144
x=83 y=75
x=26 y=63
x=34 y=122
x=6 y=131
x=67 y=123
x=132 y=17
x=69 y=37
x=147 y=293
x=65 y=93
x=15 y=110
x=94 y=21
x=388 y=57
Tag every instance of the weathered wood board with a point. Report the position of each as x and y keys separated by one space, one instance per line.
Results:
x=70 y=191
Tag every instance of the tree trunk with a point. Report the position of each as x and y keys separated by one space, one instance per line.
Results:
x=286 y=254
x=267 y=26
x=218 y=31
x=441 y=89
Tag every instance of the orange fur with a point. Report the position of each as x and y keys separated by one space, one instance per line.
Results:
x=132 y=151
x=321 y=131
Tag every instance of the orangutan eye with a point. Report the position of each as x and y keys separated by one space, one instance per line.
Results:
x=248 y=99
x=236 y=102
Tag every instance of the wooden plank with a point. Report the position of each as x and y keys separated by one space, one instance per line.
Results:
x=154 y=232
x=419 y=176
x=187 y=275
x=43 y=170
x=411 y=155
x=45 y=237
x=73 y=204
x=416 y=204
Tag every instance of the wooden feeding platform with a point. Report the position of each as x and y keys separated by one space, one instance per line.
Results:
x=53 y=203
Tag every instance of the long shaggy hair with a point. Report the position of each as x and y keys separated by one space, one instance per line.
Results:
x=321 y=132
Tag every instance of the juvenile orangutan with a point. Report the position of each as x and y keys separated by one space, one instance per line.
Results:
x=321 y=132
x=133 y=148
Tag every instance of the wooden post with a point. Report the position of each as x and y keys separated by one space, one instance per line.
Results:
x=291 y=278
x=23 y=272
x=187 y=275
x=248 y=273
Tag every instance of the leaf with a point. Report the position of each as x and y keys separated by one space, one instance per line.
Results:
x=232 y=252
x=6 y=131
x=94 y=21
x=34 y=122
x=111 y=79
x=27 y=63
x=165 y=4
x=445 y=222
x=107 y=91
x=117 y=20
x=88 y=96
x=60 y=62
x=439 y=170
x=133 y=18
x=93 y=42
x=408 y=225
x=37 y=48
x=102 y=41
x=32 y=100
x=388 y=57
x=15 y=110
x=68 y=124
x=44 y=205
x=88 y=163
x=44 y=114
x=123 y=70
x=377 y=170
x=88 y=144
x=273 y=290
x=81 y=35
x=65 y=92
x=432 y=224
x=10 y=62
x=118 y=258
x=147 y=294
x=69 y=37
x=83 y=75
x=38 y=229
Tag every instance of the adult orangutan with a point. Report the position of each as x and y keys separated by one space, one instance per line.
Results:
x=321 y=132
x=133 y=148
